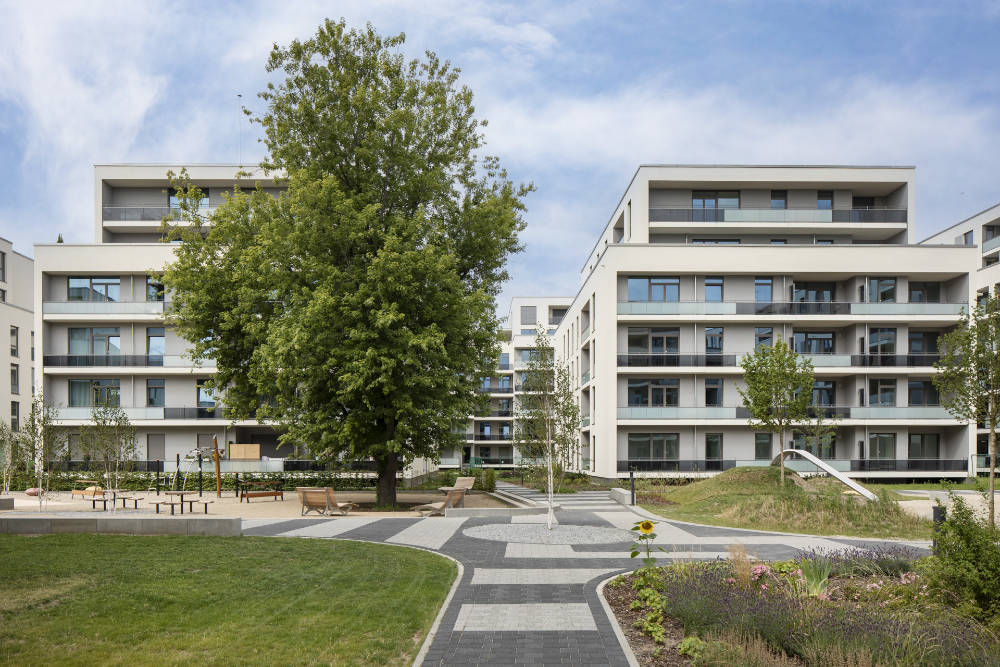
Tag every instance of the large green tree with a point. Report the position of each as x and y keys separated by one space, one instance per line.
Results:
x=357 y=310
x=969 y=376
x=778 y=391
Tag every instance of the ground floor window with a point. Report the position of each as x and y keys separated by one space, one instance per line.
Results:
x=762 y=446
x=653 y=446
x=88 y=393
x=924 y=446
x=882 y=446
x=825 y=448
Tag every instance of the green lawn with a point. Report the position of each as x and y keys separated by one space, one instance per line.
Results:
x=752 y=498
x=90 y=599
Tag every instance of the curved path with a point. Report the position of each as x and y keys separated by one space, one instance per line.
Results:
x=528 y=596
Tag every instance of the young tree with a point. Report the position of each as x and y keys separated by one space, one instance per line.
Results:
x=969 y=376
x=778 y=391
x=41 y=442
x=358 y=309
x=8 y=455
x=109 y=438
x=547 y=417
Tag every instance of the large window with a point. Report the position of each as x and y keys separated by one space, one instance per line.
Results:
x=156 y=392
x=14 y=345
x=925 y=292
x=713 y=340
x=924 y=342
x=173 y=201
x=882 y=290
x=95 y=288
x=654 y=289
x=713 y=392
x=882 y=446
x=763 y=337
x=95 y=392
x=714 y=288
x=813 y=342
x=653 y=340
x=924 y=446
x=206 y=399
x=882 y=341
x=763 y=289
x=713 y=446
x=762 y=444
x=825 y=448
x=779 y=199
x=824 y=392
x=706 y=204
x=15 y=379
x=654 y=392
x=814 y=292
x=96 y=341
x=653 y=446
x=529 y=318
x=922 y=392
x=154 y=289
x=882 y=392
x=15 y=416
x=824 y=200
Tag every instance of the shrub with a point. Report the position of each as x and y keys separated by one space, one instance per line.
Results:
x=965 y=569
x=486 y=479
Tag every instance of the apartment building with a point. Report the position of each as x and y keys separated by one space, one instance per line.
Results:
x=698 y=265
x=16 y=302
x=981 y=231
x=99 y=316
x=489 y=439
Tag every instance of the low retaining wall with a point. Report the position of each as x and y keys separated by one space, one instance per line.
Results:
x=623 y=496
x=6 y=503
x=42 y=525
x=497 y=511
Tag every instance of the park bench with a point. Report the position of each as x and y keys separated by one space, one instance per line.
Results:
x=321 y=499
x=462 y=483
x=454 y=497
x=90 y=489
x=260 y=489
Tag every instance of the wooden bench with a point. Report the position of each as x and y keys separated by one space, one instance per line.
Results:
x=205 y=503
x=91 y=491
x=172 y=504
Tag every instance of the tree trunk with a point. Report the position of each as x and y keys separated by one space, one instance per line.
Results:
x=551 y=514
x=993 y=467
x=385 y=491
x=781 y=454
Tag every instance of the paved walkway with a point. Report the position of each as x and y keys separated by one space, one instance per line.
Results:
x=528 y=596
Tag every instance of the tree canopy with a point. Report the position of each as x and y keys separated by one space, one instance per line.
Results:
x=356 y=310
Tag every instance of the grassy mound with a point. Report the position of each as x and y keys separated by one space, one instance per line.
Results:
x=752 y=497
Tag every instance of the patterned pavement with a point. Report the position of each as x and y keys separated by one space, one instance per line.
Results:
x=529 y=597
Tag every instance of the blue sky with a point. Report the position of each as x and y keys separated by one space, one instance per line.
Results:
x=576 y=94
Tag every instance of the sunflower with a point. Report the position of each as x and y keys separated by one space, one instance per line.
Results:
x=646 y=527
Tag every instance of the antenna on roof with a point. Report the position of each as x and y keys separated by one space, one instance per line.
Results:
x=239 y=122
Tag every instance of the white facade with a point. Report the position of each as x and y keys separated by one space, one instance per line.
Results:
x=16 y=322
x=698 y=263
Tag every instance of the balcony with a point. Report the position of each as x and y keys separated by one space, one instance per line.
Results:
x=102 y=307
x=495 y=389
x=494 y=413
x=139 y=413
x=666 y=360
x=841 y=465
x=786 y=308
x=891 y=360
x=766 y=215
x=909 y=465
x=488 y=436
x=903 y=412
x=675 y=465
x=585 y=333
x=145 y=213
x=675 y=412
x=120 y=360
x=991 y=244
x=585 y=421
x=585 y=377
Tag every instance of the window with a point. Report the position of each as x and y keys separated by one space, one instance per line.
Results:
x=206 y=399
x=824 y=393
x=882 y=290
x=15 y=416
x=3 y=296
x=715 y=241
x=779 y=241
x=762 y=289
x=924 y=446
x=713 y=288
x=646 y=340
x=708 y=205
x=824 y=200
x=922 y=292
x=882 y=392
x=15 y=379
x=3 y=266
x=97 y=288
x=154 y=289
x=763 y=337
x=969 y=238
x=814 y=292
x=156 y=449
x=156 y=392
x=653 y=446
x=922 y=392
x=155 y=345
x=174 y=201
x=882 y=446
x=762 y=446
x=924 y=342
x=824 y=241
x=528 y=316
x=95 y=341
x=556 y=315
x=813 y=342
x=654 y=392
x=779 y=199
x=713 y=446
x=824 y=449
x=504 y=361
x=654 y=289
x=882 y=341
x=95 y=392
x=13 y=342
x=713 y=340
x=526 y=331
x=32 y=345
x=713 y=392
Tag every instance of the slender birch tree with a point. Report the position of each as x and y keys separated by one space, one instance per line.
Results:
x=547 y=416
x=778 y=391
x=969 y=376
x=41 y=442
x=109 y=439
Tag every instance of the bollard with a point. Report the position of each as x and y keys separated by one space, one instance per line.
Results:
x=631 y=479
x=939 y=515
x=159 y=468
x=177 y=472
x=236 y=484
x=199 y=474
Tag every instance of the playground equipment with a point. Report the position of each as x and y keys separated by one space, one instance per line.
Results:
x=827 y=468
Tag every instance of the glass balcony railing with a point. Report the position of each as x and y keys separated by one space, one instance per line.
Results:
x=119 y=360
x=496 y=389
x=829 y=411
x=991 y=244
x=585 y=421
x=488 y=436
x=659 y=412
x=585 y=377
x=675 y=465
x=145 y=213
x=140 y=413
x=102 y=307
x=869 y=465
x=657 y=360
x=790 y=215
x=786 y=308
x=903 y=412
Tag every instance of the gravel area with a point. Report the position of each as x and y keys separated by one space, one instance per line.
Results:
x=527 y=533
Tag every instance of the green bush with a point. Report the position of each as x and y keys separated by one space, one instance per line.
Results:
x=964 y=571
x=141 y=481
x=486 y=479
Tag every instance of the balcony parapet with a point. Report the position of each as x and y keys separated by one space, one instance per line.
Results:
x=790 y=215
x=120 y=360
x=102 y=307
x=787 y=308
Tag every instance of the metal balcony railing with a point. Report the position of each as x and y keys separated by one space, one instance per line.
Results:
x=677 y=360
x=145 y=213
x=496 y=389
x=488 y=436
x=788 y=308
x=675 y=465
x=764 y=215
x=909 y=465
x=118 y=360
x=102 y=307
x=146 y=413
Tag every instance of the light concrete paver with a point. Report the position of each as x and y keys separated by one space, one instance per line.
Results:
x=519 y=550
x=430 y=533
x=331 y=528
x=534 y=617
x=488 y=576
